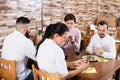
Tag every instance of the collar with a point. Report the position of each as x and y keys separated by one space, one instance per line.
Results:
x=19 y=33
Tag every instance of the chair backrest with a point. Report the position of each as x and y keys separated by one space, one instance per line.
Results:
x=70 y=55
x=117 y=45
x=111 y=20
x=7 y=69
x=40 y=75
x=118 y=33
x=86 y=41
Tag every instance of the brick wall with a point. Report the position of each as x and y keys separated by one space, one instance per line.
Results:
x=86 y=12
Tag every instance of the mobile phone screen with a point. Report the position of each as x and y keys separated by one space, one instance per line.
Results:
x=39 y=32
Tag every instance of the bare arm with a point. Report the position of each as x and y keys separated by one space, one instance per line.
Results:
x=73 y=73
x=75 y=63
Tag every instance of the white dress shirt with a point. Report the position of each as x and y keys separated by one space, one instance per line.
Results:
x=19 y=48
x=51 y=58
x=107 y=44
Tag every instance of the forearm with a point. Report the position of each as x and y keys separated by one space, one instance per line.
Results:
x=111 y=55
x=83 y=66
x=89 y=50
x=76 y=45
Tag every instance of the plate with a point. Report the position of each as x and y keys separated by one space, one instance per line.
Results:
x=90 y=57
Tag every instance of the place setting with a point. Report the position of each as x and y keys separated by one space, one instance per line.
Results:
x=91 y=59
x=94 y=58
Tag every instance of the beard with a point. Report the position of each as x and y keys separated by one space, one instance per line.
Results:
x=102 y=35
x=27 y=34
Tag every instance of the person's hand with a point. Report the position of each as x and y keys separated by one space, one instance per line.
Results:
x=97 y=50
x=70 y=39
x=84 y=66
x=100 y=51
x=78 y=62
x=38 y=38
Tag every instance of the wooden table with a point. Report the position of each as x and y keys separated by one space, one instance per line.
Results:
x=104 y=70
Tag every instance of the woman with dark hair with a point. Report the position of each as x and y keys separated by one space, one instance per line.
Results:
x=74 y=39
x=51 y=57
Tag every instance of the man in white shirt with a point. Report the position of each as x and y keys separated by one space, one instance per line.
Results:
x=18 y=47
x=101 y=43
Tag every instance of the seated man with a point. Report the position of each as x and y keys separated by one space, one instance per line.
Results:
x=18 y=47
x=101 y=43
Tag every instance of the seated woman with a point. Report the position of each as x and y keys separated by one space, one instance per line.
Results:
x=50 y=56
x=74 y=39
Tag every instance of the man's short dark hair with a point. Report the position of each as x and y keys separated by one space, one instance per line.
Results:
x=103 y=23
x=22 y=20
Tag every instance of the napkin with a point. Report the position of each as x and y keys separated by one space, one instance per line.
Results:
x=90 y=70
x=102 y=59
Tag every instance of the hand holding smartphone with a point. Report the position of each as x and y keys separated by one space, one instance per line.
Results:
x=40 y=32
x=38 y=36
x=71 y=39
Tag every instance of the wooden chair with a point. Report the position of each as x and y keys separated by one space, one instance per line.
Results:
x=30 y=62
x=118 y=33
x=86 y=41
x=89 y=32
x=70 y=55
x=117 y=45
x=7 y=69
x=40 y=75
x=111 y=20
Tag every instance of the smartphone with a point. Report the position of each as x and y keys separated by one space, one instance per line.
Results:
x=70 y=37
x=40 y=32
